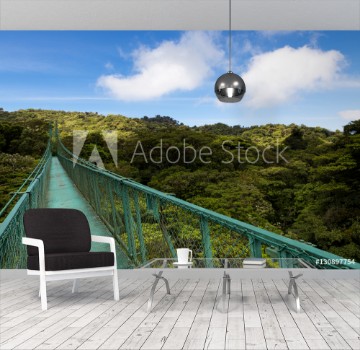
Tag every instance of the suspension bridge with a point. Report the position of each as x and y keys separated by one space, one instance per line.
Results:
x=145 y=223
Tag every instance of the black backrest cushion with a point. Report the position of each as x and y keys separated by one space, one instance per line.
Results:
x=62 y=230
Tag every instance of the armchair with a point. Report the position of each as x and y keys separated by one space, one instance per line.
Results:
x=58 y=245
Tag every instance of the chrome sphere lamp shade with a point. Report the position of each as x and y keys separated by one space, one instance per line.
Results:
x=230 y=87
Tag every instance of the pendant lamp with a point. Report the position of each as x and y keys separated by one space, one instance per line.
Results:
x=230 y=87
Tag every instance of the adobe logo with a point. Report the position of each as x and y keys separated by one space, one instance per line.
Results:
x=110 y=137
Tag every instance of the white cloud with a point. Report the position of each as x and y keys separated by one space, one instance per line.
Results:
x=15 y=64
x=350 y=114
x=171 y=66
x=109 y=66
x=249 y=47
x=347 y=82
x=278 y=76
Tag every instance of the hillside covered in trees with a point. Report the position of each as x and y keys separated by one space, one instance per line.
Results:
x=298 y=181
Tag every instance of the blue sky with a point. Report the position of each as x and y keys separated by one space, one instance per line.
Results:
x=310 y=78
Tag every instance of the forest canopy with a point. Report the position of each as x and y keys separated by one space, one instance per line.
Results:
x=313 y=194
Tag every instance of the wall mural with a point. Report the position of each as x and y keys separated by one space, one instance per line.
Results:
x=141 y=104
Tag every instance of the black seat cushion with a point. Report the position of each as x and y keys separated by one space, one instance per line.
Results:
x=69 y=261
x=62 y=230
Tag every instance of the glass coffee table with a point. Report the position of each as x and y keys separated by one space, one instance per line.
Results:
x=223 y=267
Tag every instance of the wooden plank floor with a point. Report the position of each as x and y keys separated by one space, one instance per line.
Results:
x=257 y=315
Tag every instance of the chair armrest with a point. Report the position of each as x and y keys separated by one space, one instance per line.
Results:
x=105 y=239
x=108 y=240
x=102 y=239
x=40 y=244
x=33 y=242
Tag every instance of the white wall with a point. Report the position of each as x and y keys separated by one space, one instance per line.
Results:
x=180 y=14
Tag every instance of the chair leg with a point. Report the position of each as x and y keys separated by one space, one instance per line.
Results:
x=75 y=286
x=116 y=285
x=43 y=292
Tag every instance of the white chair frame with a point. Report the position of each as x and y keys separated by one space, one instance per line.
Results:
x=74 y=273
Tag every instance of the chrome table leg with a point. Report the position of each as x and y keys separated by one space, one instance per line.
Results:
x=152 y=292
x=226 y=284
x=293 y=285
x=226 y=289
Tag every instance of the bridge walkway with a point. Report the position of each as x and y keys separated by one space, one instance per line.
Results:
x=62 y=193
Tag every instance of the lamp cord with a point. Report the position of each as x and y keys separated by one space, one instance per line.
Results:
x=229 y=35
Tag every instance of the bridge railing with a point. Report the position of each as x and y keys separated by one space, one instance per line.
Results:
x=148 y=223
x=31 y=194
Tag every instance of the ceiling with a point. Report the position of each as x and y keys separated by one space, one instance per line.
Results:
x=179 y=14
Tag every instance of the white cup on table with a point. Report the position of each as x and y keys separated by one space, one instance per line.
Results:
x=184 y=255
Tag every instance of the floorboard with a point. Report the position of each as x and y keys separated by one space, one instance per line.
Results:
x=256 y=315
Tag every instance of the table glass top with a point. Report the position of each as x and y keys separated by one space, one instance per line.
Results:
x=229 y=263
